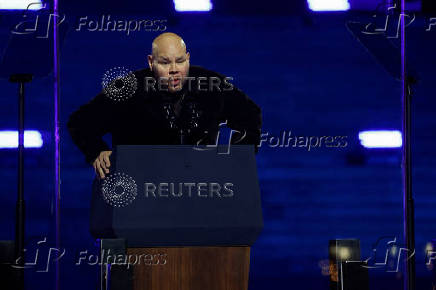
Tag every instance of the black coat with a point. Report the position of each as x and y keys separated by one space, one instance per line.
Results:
x=150 y=118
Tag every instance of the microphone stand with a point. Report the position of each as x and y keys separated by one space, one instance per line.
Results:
x=393 y=60
x=29 y=54
x=21 y=79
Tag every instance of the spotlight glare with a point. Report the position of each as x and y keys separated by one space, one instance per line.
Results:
x=21 y=5
x=381 y=139
x=192 y=5
x=9 y=139
x=328 y=5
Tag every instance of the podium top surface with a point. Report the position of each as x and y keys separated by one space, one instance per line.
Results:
x=163 y=195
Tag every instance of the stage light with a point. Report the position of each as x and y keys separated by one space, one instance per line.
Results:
x=192 y=5
x=381 y=139
x=9 y=139
x=21 y=5
x=328 y=5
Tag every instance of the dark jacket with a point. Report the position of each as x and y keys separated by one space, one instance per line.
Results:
x=153 y=118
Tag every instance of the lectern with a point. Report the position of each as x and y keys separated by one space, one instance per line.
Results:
x=177 y=217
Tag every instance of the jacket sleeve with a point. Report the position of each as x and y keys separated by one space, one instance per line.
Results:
x=89 y=124
x=243 y=116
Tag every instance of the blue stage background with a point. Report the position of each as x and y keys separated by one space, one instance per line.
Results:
x=313 y=79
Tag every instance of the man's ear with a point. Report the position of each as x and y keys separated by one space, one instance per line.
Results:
x=150 y=61
x=188 y=56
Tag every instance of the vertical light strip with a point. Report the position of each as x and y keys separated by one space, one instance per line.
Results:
x=56 y=134
x=404 y=151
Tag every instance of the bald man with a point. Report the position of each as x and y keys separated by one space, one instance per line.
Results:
x=173 y=103
x=169 y=60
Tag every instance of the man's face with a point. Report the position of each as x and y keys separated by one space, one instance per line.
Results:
x=170 y=63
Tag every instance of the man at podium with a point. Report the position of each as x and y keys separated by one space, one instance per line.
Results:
x=168 y=103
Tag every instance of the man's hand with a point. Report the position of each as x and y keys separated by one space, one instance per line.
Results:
x=101 y=164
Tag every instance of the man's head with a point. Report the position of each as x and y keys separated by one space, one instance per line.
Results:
x=169 y=60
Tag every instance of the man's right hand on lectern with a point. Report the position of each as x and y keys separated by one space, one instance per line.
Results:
x=102 y=163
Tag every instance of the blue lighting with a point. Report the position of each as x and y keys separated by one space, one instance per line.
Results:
x=328 y=5
x=21 y=5
x=381 y=139
x=193 y=5
x=9 y=139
